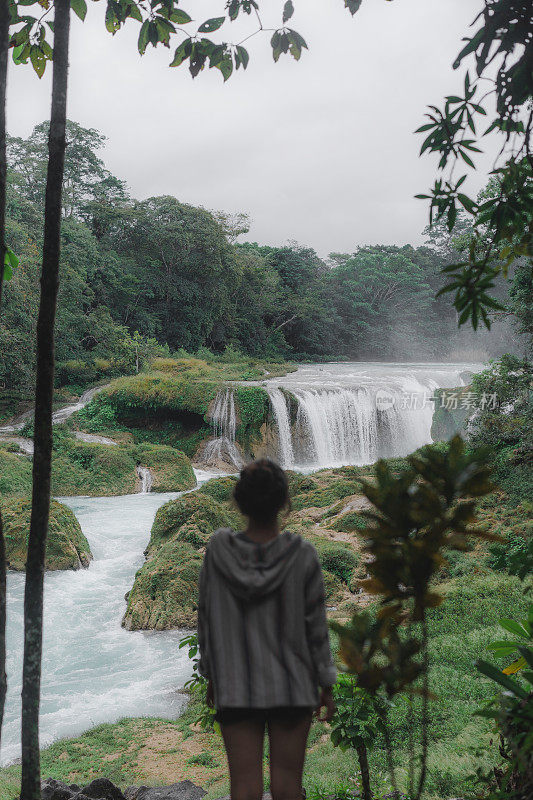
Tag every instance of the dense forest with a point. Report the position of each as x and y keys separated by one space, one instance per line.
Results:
x=128 y=265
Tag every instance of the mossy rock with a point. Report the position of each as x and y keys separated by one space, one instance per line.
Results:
x=220 y=489
x=299 y=483
x=81 y=468
x=165 y=591
x=452 y=410
x=194 y=508
x=171 y=470
x=326 y=496
x=192 y=534
x=66 y=546
x=15 y=473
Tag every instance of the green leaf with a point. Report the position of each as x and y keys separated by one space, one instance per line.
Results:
x=18 y=54
x=180 y=17
x=513 y=627
x=243 y=55
x=353 y=5
x=80 y=8
x=38 y=60
x=288 y=11
x=142 y=43
x=11 y=262
x=183 y=52
x=494 y=674
x=211 y=25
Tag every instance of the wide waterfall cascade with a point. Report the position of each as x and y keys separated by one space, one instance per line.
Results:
x=222 y=447
x=280 y=410
x=356 y=413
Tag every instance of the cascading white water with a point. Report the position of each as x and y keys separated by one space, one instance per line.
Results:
x=146 y=479
x=222 y=448
x=357 y=413
x=340 y=426
x=278 y=402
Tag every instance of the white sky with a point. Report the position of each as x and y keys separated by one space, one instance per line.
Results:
x=321 y=151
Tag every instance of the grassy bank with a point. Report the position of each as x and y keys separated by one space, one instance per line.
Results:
x=97 y=470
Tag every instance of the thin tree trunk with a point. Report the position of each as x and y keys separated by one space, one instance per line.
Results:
x=4 y=38
x=365 y=773
x=33 y=596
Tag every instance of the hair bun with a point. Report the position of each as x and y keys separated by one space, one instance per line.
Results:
x=262 y=490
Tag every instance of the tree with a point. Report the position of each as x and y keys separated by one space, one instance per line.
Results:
x=502 y=47
x=44 y=390
x=383 y=297
x=87 y=184
x=4 y=34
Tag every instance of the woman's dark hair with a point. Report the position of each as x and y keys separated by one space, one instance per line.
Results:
x=262 y=490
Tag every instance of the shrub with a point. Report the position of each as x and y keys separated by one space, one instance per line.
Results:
x=347 y=523
x=338 y=559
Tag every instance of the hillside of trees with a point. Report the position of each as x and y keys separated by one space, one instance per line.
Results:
x=127 y=265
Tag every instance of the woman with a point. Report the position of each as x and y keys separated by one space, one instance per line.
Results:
x=263 y=638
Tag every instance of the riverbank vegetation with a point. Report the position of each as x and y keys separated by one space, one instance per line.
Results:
x=127 y=265
x=97 y=470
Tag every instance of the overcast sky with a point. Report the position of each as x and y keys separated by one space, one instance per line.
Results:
x=321 y=151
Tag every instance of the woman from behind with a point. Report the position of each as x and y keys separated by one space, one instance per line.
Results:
x=263 y=638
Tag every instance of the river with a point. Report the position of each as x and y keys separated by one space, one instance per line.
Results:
x=93 y=670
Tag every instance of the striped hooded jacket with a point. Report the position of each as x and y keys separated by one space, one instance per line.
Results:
x=262 y=628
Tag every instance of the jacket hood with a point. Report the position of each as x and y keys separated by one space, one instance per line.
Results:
x=253 y=570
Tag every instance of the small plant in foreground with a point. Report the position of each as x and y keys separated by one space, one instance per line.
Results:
x=197 y=685
x=512 y=711
x=356 y=724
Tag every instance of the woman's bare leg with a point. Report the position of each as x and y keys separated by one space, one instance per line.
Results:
x=244 y=749
x=288 y=740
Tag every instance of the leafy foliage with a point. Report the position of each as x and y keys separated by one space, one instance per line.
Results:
x=162 y=22
x=512 y=710
x=502 y=48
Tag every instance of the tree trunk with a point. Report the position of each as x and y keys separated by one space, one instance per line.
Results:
x=33 y=597
x=4 y=34
x=365 y=774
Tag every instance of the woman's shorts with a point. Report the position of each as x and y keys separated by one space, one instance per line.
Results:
x=286 y=715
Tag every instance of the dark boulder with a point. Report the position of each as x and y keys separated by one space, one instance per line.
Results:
x=103 y=789
x=185 y=790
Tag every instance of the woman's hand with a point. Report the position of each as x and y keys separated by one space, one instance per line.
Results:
x=210 y=694
x=328 y=704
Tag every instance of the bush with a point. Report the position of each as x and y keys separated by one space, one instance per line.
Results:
x=347 y=523
x=338 y=559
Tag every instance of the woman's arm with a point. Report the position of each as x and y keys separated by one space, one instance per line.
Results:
x=203 y=623
x=316 y=625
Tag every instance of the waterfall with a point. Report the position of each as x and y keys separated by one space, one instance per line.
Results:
x=337 y=426
x=278 y=402
x=356 y=413
x=146 y=479
x=222 y=448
